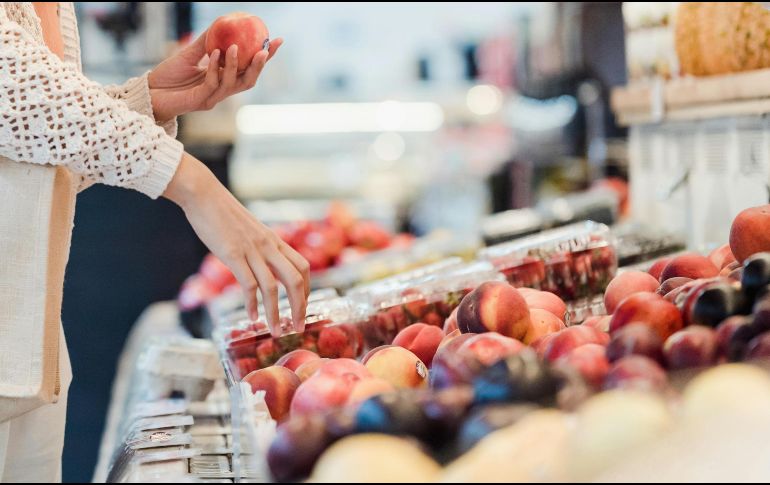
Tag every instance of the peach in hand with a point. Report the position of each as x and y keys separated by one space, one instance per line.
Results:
x=244 y=30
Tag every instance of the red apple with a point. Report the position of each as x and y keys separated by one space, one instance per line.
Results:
x=246 y=31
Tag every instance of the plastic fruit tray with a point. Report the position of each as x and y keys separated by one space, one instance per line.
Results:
x=574 y=262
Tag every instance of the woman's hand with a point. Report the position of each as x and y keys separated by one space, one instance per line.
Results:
x=253 y=252
x=191 y=81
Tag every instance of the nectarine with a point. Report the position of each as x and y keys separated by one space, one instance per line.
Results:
x=626 y=284
x=689 y=265
x=494 y=306
x=750 y=232
x=650 y=309
x=279 y=385
x=246 y=31
x=542 y=322
x=421 y=339
x=398 y=366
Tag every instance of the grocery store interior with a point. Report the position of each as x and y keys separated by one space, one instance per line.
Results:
x=537 y=227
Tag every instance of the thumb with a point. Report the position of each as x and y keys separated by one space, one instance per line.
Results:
x=195 y=51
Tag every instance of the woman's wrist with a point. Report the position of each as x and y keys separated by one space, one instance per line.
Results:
x=191 y=181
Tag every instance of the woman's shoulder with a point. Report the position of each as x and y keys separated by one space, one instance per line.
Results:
x=23 y=13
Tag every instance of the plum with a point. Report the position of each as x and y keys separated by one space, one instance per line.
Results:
x=694 y=346
x=296 y=447
x=519 y=378
x=488 y=419
x=396 y=413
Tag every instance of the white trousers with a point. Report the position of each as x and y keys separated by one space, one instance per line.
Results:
x=31 y=444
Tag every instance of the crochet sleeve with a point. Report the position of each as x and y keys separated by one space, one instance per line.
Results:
x=136 y=94
x=51 y=114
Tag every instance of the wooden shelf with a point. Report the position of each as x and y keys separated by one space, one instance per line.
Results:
x=746 y=93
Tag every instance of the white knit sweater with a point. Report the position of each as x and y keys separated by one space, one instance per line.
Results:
x=51 y=114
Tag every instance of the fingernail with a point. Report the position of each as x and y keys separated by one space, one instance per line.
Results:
x=300 y=325
x=234 y=50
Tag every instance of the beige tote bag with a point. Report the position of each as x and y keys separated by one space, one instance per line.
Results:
x=36 y=216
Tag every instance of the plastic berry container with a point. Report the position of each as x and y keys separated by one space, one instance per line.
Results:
x=332 y=330
x=428 y=299
x=575 y=262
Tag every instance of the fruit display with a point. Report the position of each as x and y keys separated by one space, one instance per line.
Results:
x=332 y=330
x=574 y=262
x=338 y=238
x=430 y=299
x=481 y=380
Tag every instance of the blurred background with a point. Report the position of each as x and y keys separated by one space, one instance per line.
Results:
x=424 y=117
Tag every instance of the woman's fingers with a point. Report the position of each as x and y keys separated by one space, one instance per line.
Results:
x=268 y=287
x=248 y=79
x=298 y=261
x=229 y=73
x=273 y=47
x=248 y=282
x=294 y=283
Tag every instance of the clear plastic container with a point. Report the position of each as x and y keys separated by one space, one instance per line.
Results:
x=575 y=261
x=332 y=330
x=428 y=299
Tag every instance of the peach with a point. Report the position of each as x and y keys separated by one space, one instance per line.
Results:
x=489 y=348
x=650 y=309
x=689 y=265
x=635 y=339
x=306 y=370
x=565 y=341
x=279 y=384
x=750 y=232
x=671 y=284
x=590 y=361
x=542 y=322
x=322 y=392
x=722 y=256
x=364 y=389
x=294 y=359
x=729 y=268
x=545 y=300
x=399 y=367
x=244 y=30
x=450 y=324
x=657 y=268
x=636 y=372
x=599 y=322
x=494 y=306
x=340 y=367
x=626 y=284
x=421 y=339
x=694 y=346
